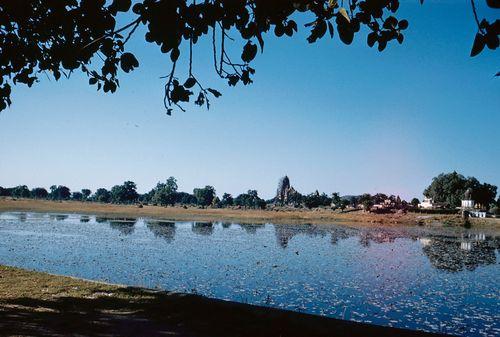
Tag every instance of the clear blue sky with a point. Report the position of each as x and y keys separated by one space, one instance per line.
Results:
x=332 y=117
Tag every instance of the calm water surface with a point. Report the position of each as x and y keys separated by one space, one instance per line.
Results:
x=445 y=280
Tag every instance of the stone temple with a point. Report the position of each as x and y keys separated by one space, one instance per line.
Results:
x=284 y=191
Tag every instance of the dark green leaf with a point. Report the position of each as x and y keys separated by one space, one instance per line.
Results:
x=190 y=82
x=214 y=92
x=249 y=52
x=478 y=45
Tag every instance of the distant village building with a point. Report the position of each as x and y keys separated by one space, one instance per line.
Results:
x=387 y=204
x=467 y=202
x=469 y=207
x=427 y=203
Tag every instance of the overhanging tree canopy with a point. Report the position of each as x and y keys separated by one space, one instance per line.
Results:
x=58 y=37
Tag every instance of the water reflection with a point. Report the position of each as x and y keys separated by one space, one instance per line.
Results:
x=100 y=219
x=284 y=233
x=84 y=218
x=58 y=217
x=21 y=217
x=251 y=228
x=162 y=229
x=456 y=254
x=226 y=225
x=415 y=278
x=124 y=225
x=203 y=228
x=384 y=235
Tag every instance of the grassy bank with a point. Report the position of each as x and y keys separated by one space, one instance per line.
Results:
x=289 y=216
x=39 y=304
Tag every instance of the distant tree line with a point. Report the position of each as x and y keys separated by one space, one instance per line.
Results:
x=163 y=194
x=445 y=188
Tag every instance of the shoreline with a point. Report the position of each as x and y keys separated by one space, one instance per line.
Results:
x=282 y=216
x=37 y=303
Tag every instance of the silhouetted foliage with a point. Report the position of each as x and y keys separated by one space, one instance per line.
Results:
x=60 y=37
x=366 y=201
x=124 y=194
x=379 y=198
x=336 y=200
x=39 y=193
x=414 y=202
x=185 y=198
x=77 y=196
x=59 y=192
x=86 y=193
x=227 y=200
x=102 y=195
x=205 y=195
x=20 y=191
x=315 y=199
x=250 y=199
x=165 y=193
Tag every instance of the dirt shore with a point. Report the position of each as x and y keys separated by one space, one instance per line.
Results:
x=288 y=216
x=40 y=304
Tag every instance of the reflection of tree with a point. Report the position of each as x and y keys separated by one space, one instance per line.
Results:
x=124 y=226
x=340 y=233
x=383 y=235
x=84 y=218
x=162 y=229
x=284 y=233
x=251 y=228
x=226 y=225
x=61 y=217
x=455 y=254
x=22 y=217
x=101 y=219
x=203 y=228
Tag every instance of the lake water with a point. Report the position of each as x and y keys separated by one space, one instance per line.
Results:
x=446 y=280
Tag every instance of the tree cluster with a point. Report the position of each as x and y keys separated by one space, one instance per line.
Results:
x=450 y=188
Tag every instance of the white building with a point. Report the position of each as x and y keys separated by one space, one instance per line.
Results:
x=427 y=203
x=477 y=214
x=468 y=203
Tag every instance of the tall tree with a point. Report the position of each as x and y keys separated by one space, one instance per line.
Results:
x=102 y=195
x=21 y=191
x=204 y=195
x=59 y=192
x=39 y=193
x=367 y=201
x=336 y=199
x=165 y=193
x=250 y=199
x=227 y=200
x=65 y=36
x=77 y=196
x=450 y=188
x=86 y=193
x=125 y=193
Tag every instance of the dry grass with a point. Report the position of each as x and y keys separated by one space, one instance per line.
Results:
x=39 y=304
x=289 y=216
